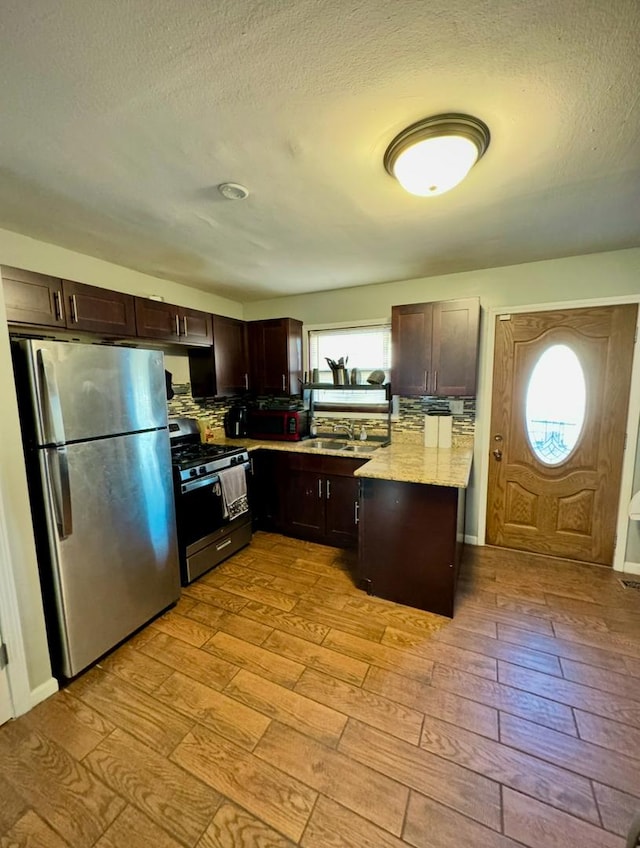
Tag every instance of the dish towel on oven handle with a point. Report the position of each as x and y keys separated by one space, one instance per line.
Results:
x=233 y=482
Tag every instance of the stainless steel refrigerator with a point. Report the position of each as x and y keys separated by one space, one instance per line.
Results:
x=98 y=458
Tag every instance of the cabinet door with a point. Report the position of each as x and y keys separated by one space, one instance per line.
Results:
x=269 y=489
x=341 y=495
x=305 y=504
x=32 y=298
x=454 y=346
x=99 y=310
x=230 y=355
x=157 y=320
x=408 y=543
x=411 y=367
x=195 y=326
x=275 y=351
x=275 y=363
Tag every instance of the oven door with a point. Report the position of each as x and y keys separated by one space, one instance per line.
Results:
x=205 y=537
x=199 y=510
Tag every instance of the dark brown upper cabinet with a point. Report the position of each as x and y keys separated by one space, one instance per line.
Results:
x=32 y=298
x=156 y=319
x=275 y=356
x=435 y=348
x=50 y=302
x=98 y=310
x=231 y=352
x=221 y=370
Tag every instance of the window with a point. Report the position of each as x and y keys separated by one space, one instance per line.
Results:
x=365 y=348
x=555 y=404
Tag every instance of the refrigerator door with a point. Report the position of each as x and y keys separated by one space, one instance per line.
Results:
x=84 y=391
x=112 y=539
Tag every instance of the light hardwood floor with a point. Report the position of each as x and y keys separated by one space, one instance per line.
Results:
x=277 y=705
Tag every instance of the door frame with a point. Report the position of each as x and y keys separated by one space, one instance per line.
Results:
x=485 y=397
x=19 y=688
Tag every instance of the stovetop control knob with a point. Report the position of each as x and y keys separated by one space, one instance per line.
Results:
x=202 y=470
x=193 y=473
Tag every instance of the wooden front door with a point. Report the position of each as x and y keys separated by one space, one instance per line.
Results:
x=554 y=484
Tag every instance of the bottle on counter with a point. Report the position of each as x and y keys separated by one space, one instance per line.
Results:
x=363 y=434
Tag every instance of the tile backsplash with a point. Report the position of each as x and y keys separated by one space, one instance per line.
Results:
x=411 y=413
x=413 y=410
x=411 y=417
x=211 y=410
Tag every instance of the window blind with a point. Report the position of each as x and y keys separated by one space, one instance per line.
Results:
x=367 y=348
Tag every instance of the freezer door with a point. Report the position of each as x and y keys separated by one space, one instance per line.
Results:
x=84 y=391
x=112 y=539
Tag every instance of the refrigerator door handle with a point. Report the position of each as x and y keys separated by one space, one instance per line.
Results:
x=51 y=408
x=60 y=489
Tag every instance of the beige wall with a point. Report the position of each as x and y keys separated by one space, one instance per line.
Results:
x=18 y=521
x=24 y=252
x=577 y=278
x=573 y=278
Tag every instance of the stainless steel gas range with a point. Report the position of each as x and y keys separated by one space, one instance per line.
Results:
x=206 y=535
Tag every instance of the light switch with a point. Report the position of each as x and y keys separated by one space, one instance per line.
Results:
x=456 y=407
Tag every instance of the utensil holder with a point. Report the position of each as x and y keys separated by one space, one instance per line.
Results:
x=338 y=376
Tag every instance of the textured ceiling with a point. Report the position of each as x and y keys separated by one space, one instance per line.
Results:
x=119 y=119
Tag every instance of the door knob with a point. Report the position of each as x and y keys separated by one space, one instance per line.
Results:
x=498 y=454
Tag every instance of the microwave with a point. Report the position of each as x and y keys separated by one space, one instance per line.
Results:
x=284 y=424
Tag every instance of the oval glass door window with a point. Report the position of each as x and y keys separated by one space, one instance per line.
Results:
x=555 y=404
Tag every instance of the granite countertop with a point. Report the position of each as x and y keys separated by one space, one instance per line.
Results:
x=404 y=460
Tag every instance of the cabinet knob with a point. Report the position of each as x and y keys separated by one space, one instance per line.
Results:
x=284 y=386
x=356 y=512
x=184 y=325
x=498 y=454
x=319 y=488
x=74 y=309
x=177 y=325
x=328 y=489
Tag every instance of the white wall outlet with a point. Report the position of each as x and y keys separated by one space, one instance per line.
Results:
x=456 y=407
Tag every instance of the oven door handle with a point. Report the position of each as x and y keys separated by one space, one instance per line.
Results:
x=198 y=483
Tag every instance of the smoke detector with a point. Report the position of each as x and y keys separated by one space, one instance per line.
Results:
x=233 y=191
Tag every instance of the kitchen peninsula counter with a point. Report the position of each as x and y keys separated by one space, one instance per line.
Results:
x=405 y=460
x=409 y=514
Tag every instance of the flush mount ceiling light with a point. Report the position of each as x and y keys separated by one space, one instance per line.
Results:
x=435 y=154
x=233 y=191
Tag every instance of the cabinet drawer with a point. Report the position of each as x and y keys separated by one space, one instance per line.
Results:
x=334 y=465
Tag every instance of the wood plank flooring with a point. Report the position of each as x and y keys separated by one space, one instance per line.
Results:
x=277 y=705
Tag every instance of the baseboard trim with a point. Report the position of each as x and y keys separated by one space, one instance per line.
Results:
x=43 y=691
x=631 y=568
x=471 y=540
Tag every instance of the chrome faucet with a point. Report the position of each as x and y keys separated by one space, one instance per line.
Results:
x=348 y=428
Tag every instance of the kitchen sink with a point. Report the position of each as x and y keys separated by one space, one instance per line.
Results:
x=341 y=445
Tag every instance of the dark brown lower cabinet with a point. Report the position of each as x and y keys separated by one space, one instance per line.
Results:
x=266 y=489
x=411 y=539
x=309 y=497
